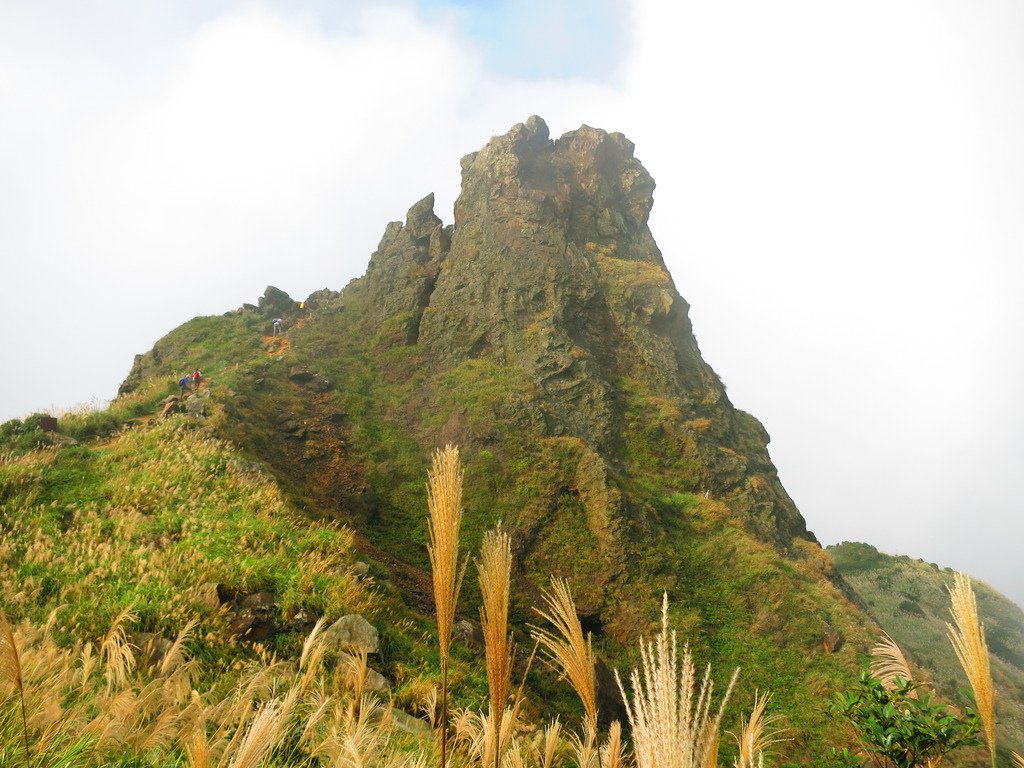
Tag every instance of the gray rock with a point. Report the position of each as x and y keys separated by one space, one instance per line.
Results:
x=552 y=271
x=320 y=298
x=319 y=384
x=375 y=681
x=359 y=569
x=243 y=467
x=831 y=639
x=404 y=268
x=151 y=647
x=406 y=723
x=303 y=621
x=256 y=618
x=300 y=374
x=211 y=595
x=275 y=301
x=206 y=596
x=293 y=428
x=353 y=633
x=194 y=406
x=468 y=632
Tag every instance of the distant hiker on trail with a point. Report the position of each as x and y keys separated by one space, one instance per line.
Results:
x=277 y=326
x=184 y=384
x=196 y=376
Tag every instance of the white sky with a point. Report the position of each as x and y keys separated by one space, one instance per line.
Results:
x=840 y=198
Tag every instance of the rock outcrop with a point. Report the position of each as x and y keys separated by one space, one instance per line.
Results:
x=551 y=270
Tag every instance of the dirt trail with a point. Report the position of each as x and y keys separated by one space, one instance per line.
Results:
x=276 y=345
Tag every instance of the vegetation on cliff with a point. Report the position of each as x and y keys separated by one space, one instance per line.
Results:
x=543 y=335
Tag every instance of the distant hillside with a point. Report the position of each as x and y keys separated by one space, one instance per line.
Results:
x=909 y=599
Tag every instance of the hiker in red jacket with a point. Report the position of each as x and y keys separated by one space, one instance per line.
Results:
x=196 y=376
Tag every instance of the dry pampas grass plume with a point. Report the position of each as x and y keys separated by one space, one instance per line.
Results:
x=261 y=736
x=967 y=634
x=671 y=727
x=444 y=502
x=566 y=650
x=757 y=734
x=889 y=663
x=10 y=673
x=495 y=570
x=613 y=753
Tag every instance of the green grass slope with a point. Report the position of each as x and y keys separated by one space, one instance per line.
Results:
x=910 y=601
x=147 y=519
x=357 y=453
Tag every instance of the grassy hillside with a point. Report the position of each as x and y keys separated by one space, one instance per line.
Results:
x=909 y=599
x=147 y=512
x=733 y=597
x=163 y=521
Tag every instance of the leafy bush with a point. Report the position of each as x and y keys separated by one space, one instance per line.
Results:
x=855 y=556
x=19 y=436
x=901 y=724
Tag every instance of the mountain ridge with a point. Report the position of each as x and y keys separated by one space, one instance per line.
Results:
x=542 y=333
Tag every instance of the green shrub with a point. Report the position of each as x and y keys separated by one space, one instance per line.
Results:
x=902 y=724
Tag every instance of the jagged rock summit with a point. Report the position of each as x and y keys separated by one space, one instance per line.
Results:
x=551 y=268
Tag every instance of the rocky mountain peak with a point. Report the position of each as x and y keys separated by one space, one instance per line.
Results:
x=588 y=180
x=535 y=275
x=550 y=269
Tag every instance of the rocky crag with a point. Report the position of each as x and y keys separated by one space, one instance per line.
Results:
x=542 y=333
x=551 y=269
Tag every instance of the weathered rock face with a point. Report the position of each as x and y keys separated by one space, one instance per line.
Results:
x=274 y=301
x=403 y=269
x=352 y=632
x=551 y=269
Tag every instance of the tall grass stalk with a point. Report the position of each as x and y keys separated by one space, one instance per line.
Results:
x=261 y=736
x=10 y=670
x=613 y=753
x=888 y=662
x=566 y=650
x=548 y=745
x=495 y=571
x=444 y=501
x=671 y=727
x=757 y=734
x=967 y=634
